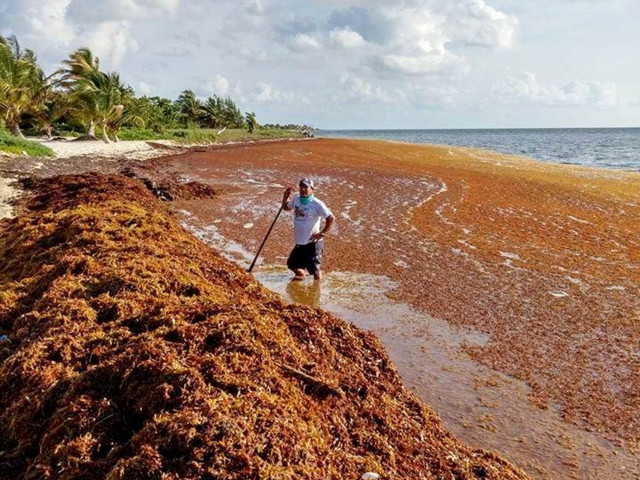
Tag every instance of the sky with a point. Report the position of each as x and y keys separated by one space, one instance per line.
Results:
x=362 y=64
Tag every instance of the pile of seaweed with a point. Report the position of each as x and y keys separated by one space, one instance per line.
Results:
x=136 y=352
x=165 y=185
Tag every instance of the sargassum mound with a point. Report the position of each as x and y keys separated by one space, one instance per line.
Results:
x=136 y=352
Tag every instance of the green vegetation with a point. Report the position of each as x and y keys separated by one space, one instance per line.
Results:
x=207 y=135
x=80 y=97
x=12 y=144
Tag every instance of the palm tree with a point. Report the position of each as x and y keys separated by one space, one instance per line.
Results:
x=107 y=94
x=190 y=106
x=21 y=82
x=252 y=121
x=212 y=111
x=132 y=113
x=56 y=105
x=233 y=117
x=80 y=66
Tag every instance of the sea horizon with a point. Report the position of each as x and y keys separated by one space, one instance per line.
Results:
x=473 y=128
x=604 y=147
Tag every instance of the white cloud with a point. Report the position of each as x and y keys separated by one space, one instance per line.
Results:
x=218 y=85
x=433 y=97
x=303 y=41
x=39 y=23
x=356 y=89
x=346 y=38
x=266 y=93
x=255 y=8
x=476 y=23
x=526 y=89
x=111 y=41
x=417 y=43
x=412 y=37
x=417 y=64
x=103 y=26
x=144 y=88
x=108 y=10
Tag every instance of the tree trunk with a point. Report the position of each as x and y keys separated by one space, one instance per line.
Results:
x=16 y=130
x=49 y=130
x=115 y=138
x=91 y=129
x=104 y=134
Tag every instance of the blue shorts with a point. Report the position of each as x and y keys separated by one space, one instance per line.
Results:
x=306 y=257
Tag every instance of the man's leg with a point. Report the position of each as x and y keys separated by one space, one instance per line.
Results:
x=316 y=260
x=299 y=274
x=294 y=263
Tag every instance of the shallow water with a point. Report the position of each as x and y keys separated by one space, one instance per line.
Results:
x=481 y=406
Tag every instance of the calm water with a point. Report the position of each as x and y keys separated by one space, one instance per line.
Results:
x=617 y=148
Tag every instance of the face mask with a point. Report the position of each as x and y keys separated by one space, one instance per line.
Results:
x=306 y=200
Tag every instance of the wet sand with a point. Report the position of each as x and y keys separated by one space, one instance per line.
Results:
x=539 y=261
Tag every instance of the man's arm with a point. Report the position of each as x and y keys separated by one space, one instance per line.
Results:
x=285 y=198
x=327 y=226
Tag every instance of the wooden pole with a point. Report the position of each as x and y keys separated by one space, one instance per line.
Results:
x=265 y=239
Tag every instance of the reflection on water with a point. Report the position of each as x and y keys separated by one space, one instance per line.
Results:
x=306 y=292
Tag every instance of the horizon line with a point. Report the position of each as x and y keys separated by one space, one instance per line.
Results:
x=474 y=128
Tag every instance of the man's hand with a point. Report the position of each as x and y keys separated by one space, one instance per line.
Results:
x=285 y=197
x=287 y=193
x=327 y=226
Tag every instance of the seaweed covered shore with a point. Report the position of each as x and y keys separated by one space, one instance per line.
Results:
x=137 y=352
x=541 y=258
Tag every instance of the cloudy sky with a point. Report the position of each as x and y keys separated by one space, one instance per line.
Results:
x=362 y=63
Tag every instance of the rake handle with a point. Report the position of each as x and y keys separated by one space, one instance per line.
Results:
x=265 y=239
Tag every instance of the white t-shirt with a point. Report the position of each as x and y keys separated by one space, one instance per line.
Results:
x=306 y=218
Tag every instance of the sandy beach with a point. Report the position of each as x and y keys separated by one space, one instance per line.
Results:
x=131 y=149
x=7 y=192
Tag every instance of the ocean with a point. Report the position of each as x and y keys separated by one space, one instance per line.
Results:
x=617 y=148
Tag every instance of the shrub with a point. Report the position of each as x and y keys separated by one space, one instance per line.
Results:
x=12 y=144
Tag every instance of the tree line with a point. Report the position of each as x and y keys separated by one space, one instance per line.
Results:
x=81 y=95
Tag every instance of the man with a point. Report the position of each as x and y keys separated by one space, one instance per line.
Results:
x=308 y=213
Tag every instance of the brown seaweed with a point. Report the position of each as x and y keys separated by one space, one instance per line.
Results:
x=139 y=353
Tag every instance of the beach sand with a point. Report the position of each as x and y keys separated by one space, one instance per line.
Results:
x=131 y=149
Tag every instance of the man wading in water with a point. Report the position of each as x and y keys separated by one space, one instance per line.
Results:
x=308 y=213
